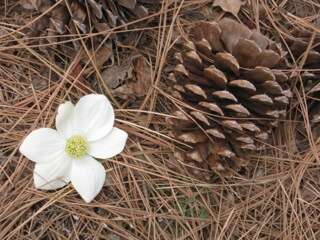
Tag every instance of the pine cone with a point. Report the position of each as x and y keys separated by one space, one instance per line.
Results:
x=298 y=45
x=85 y=14
x=232 y=96
x=310 y=78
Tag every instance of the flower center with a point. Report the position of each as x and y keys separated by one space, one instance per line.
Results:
x=76 y=146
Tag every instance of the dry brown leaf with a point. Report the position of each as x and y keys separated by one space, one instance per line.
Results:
x=143 y=77
x=30 y=4
x=103 y=54
x=99 y=56
x=115 y=75
x=131 y=79
x=137 y=87
x=231 y=6
x=39 y=5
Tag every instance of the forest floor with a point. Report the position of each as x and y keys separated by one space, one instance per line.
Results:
x=44 y=63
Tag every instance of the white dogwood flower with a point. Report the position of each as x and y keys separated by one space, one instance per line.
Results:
x=84 y=132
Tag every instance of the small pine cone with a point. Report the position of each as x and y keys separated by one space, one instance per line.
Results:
x=231 y=95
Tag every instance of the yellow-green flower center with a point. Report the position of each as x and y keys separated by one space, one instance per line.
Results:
x=76 y=146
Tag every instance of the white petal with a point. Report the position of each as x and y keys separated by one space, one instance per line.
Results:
x=52 y=175
x=87 y=177
x=64 y=119
x=42 y=145
x=94 y=116
x=110 y=145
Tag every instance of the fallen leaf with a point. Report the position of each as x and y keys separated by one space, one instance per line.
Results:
x=231 y=6
x=30 y=4
x=103 y=54
x=130 y=79
x=143 y=76
x=59 y=18
x=115 y=75
x=99 y=56
x=39 y=5
x=139 y=85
